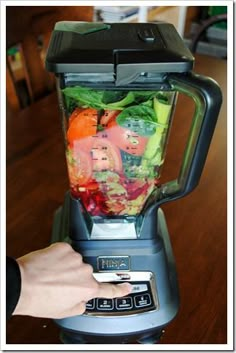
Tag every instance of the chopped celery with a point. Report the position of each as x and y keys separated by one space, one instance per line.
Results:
x=153 y=152
x=162 y=110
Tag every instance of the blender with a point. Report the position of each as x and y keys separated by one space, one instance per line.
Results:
x=117 y=87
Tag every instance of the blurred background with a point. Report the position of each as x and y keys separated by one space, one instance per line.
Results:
x=204 y=28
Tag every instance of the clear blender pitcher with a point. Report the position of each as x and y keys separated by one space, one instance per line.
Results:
x=115 y=146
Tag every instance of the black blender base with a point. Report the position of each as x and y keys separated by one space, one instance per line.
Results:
x=68 y=337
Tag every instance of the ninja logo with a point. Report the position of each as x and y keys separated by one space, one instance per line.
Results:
x=107 y=263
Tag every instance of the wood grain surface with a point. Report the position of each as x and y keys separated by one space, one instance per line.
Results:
x=37 y=182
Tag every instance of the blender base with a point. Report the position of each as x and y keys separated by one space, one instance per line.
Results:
x=146 y=256
x=67 y=337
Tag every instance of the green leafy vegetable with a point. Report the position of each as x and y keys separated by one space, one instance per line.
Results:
x=144 y=96
x=103 y=99
x=113 y=96
x=85 y=96
x=138 y=118
x=70 y=103
x=122 y=103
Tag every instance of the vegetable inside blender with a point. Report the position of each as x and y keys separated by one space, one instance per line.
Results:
x=115 y=144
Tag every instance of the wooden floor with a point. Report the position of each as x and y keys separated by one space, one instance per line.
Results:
x=37 y=181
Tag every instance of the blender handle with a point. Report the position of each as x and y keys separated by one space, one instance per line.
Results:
x=208 y=98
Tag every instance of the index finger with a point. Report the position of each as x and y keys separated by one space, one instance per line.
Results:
x=109 y=290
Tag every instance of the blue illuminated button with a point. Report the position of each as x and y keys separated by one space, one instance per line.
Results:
x=142 y=300
x=105 y=304
x=124 y=303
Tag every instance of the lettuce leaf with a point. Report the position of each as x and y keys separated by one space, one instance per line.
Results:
x=105 y=99
x=138 y=118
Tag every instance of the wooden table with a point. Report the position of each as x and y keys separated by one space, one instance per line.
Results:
x=37 y=181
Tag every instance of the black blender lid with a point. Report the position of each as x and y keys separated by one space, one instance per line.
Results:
x=125 y=49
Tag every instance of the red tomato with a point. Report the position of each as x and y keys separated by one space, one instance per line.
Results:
x=105 y=156
x=74 y=114
x=82 y=124
x=127 y=140
x=108 y=116
x=79 y=166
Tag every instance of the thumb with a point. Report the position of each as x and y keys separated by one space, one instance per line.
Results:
x=108 y=290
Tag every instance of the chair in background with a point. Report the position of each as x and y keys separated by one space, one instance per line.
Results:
x=205 y=24
x=28 y=30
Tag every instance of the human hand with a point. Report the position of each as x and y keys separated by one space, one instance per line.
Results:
x=56 y=283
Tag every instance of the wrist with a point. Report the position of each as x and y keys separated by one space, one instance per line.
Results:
x=24 y=300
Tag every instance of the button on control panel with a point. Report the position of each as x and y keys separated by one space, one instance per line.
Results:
x=139 y=288
x=125 y=303
x=90 y=304
x=141 y=299
x=105 y=304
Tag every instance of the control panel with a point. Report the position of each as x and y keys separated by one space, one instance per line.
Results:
x=142 y=298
